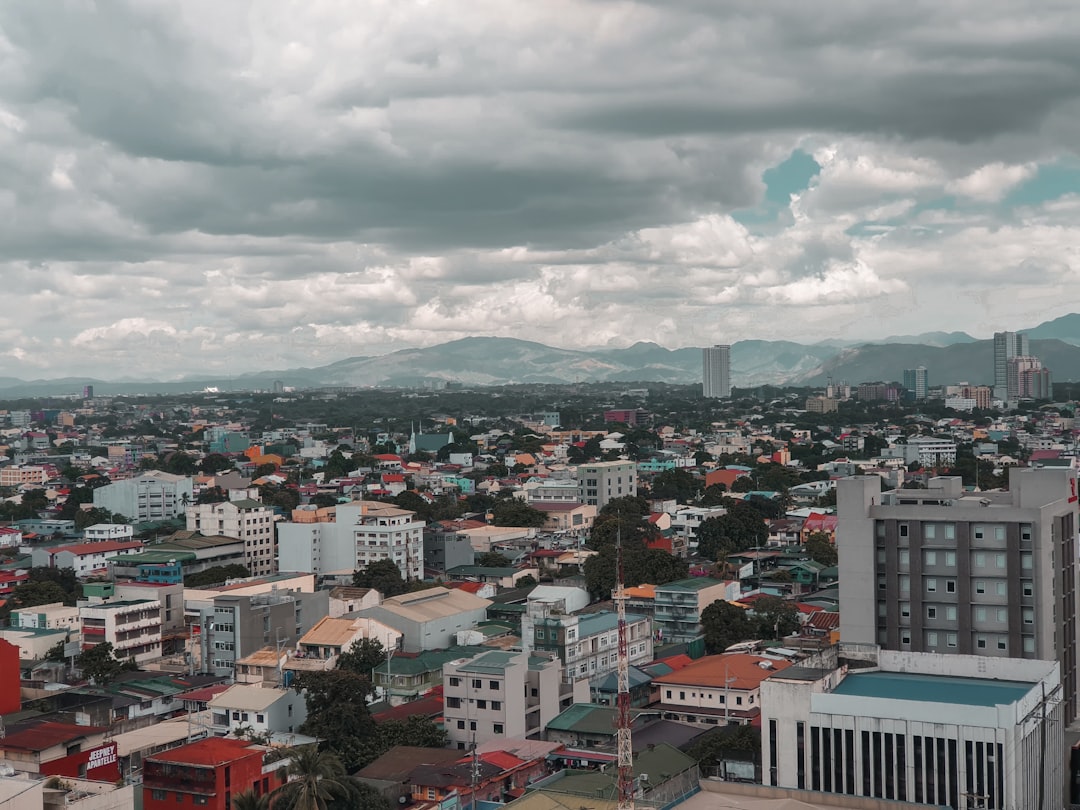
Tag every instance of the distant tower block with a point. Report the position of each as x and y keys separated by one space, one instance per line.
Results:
x=716 y=372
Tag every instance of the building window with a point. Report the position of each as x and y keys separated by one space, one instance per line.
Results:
x=903 y=529
x=1025 y=560
x=930 y=557
x=931 y=639
x=453 y=703
x=950 y=612
x=980 y=614
x=905 y=583
x=905 y=610
x=158 y=795
x=1029 y=589
x=1029 y=644
x=461 y=724
x=980 y=559
x=472 y=725
x=668 y=694
x=980 y=642
x=931 y=585
x=496 y=705
x=1002 y=588
x=999 y=560
x=455 y=681
x=905 y=637
x=1002 y=643
x=477 y=683
x=950 y=639
x=497 y=728
x=978 y=532
x=950 y=559
x=1025 y=532
x=481 y=704
x=902 y=556
x=931 y=611
x=929 y=532
x=1029 y=616
x=950 y=586
x=980 y=586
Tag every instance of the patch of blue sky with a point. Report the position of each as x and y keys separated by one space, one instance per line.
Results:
x=1050 y=182
x=792 y=176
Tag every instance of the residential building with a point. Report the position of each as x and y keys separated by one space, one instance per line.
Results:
x=257 y=709
x=1028 y=379
x=990 y=573
x=54 y=616
x=207 y=773
x=716 y=372
x=587 y=644
x=678 y=605
x=430 y=619
x=943 y=730
x=502 y=577
x=571 y=517
x=916 y=382
x=133 y=628
x=154 y=495
x=446 y=549
x=182 y=554
x=171 y=597
x=822 y=405
x=391 y=773
x=1007 y=345
x=877 y=391
x=354 y=536
x=600 y=482
x=101 y=532
x=330 y=637
x=245 y=519
x=34 y=644
x=17 y=476
x=232 y=626
x=84 y=559
x=349 y=599
x=504 y=694
x=50 y=748
x=717 y=689
x=930 y=451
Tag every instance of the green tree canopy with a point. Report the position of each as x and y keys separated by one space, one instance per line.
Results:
x=774 y=618
x=725 y=624
x=640 y=564
x=820 y=548
x=492 y=559
x=101 y=665
x=215 y=575
x=675 y=484
x=382 y=575
x=364 y=655
x=338 y=713
x=742 y=528
x=515 y=512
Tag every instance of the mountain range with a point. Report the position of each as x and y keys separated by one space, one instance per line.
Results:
x=948 y=356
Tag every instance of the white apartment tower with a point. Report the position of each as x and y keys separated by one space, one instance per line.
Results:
x=248 y=520
x=1007 y=345
x=716 y=372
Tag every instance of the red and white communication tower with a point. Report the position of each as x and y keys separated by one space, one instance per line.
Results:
x=622 y=735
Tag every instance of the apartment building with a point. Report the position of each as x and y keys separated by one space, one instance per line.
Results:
x=207 y=773
x=943 y=730
x=83 y=558
x=981 y=573
x=717 y=689
x=245 y=519
x=504 y=694
x=15 y=476
x=53 y=616
x=132 y=627
x=602 y=481
x=677 y=606
x=352 y=537
x=586 y=644
x=100 y=532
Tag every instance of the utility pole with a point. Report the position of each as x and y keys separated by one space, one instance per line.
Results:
x=623 y=733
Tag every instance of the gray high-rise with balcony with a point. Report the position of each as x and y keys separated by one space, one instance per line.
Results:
x=716 y=372
x=944 y=570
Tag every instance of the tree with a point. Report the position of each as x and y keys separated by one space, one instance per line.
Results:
x=714 y=495
x=324 y=499
x=640 y=564
x=215 y=575
x=416 y=731
x=338 y=713
x=677 y=484
x=316 y=778
x=526 y=581
x=725 y=624
x=363 y=656
x=101 y=665
x=382 y=575
x=514 y=512
x=820 y=549
x=492 y=559
x=740 y=529
x=215 y=463
x=774 y=617
x=250 y=800
x=212 y=495
x=91 y=517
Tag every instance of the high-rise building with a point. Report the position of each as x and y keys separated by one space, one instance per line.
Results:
x=1028 y=379
x=1007 y=345
x=245 y=519
x=716 y=372
x=916 y=382
x=944 y=570
x=601 y=481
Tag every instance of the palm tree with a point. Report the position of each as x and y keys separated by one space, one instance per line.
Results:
x=249 y=800
x=315 y=778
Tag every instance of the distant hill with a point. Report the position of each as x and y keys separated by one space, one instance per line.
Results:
x=949 y=357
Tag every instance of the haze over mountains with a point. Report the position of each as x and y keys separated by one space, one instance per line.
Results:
x=949 y=356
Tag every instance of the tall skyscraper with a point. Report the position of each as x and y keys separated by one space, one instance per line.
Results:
x=945 y=570
x=916 y=382
x=1007 y=345
x=716 y=372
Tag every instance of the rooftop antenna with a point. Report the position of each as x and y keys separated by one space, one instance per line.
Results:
x=625 y=747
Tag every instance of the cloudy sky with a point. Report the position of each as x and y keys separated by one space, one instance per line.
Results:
x=198 y=185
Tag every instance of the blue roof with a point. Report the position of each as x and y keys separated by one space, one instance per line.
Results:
x=593 y=623
x=933 y=688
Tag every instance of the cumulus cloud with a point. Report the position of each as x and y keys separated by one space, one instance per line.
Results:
x=191 y=187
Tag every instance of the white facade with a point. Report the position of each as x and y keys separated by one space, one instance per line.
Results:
x=154 y=495
x=55 y=616
x=957 y=731
x=259 y=709
x=83 y=558
x=108 y=531
x=247 y=520
x=361 y=533
x=133 y=628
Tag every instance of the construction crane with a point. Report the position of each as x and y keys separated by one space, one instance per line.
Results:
x=622 y=701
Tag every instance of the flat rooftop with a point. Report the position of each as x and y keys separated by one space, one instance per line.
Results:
x=933 y=688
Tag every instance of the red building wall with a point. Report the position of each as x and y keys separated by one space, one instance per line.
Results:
x=98 y=764
x=206 y=774
x=10 y=700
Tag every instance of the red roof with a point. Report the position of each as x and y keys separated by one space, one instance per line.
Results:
x=677 y=662
x=45 y=735
x=387 y=457
x=393 y=478
x=428 y=706
x=206 y=694
x=104 y=547
x=468 y=587
x=824 y=620
x=502 y=760
x=209 y=751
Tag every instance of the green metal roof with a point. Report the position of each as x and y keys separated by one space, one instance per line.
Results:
x=153 y=557
x=933 y=688
x=428 y=660
x=587 y=718
x=692 y=584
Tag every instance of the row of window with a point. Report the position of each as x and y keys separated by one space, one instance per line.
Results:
x=707 y=695
x=1000 y=587
x=947 y=531
x=934 y=639
x=477 y=683
x=455 y=703
x=160 y=795
x=497 y=728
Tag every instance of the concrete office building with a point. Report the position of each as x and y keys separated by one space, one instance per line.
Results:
x=430 y=619
x=943 y=570
x=944 y=730
x=154 y=495
x=504 y=695
x=133 y=628
x=716 y=372
x=602 y=481
x=1007 y=345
